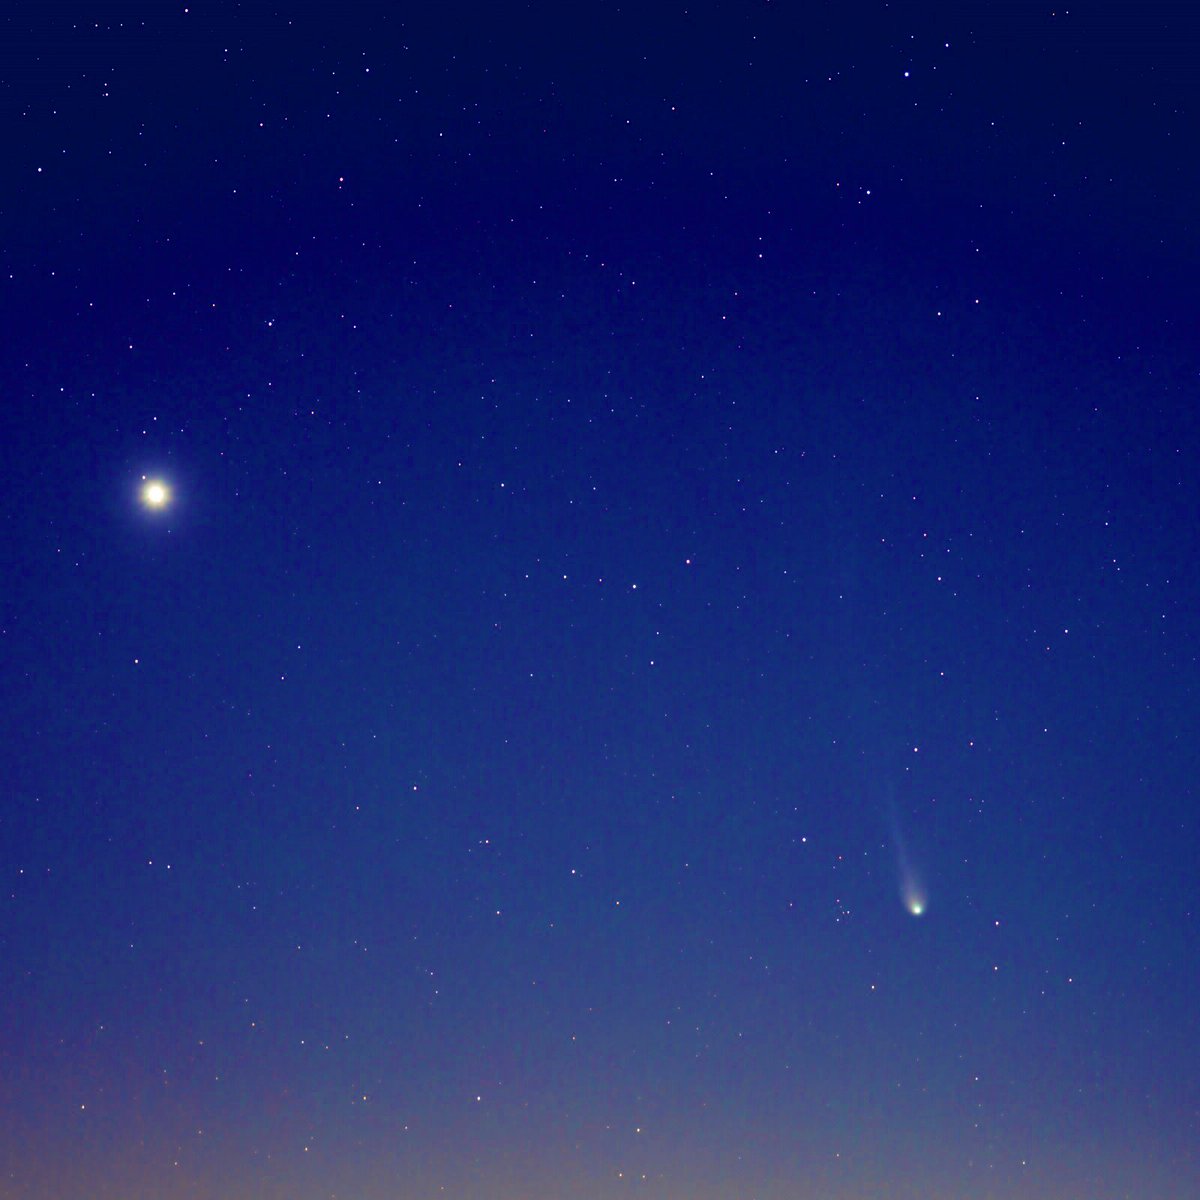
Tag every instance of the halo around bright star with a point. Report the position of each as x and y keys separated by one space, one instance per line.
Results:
x=155 y=494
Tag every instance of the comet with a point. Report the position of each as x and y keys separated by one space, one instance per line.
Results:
x=913 y=894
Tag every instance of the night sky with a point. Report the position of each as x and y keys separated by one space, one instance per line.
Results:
x=664 y=659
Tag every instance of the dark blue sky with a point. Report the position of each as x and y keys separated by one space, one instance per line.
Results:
x=657 y=495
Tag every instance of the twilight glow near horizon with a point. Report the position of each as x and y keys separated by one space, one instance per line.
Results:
x=620 y=612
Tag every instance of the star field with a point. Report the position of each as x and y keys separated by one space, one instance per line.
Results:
x=599 y=602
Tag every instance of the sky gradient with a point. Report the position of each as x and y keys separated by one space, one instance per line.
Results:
x=658 y=495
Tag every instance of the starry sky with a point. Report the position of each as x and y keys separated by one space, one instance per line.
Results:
x=665 y=663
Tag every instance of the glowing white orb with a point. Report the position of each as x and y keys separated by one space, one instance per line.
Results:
x=155 y=494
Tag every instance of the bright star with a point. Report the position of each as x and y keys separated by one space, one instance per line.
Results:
x=155 y=494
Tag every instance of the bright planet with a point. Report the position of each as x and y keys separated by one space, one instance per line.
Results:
x=155 y=494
